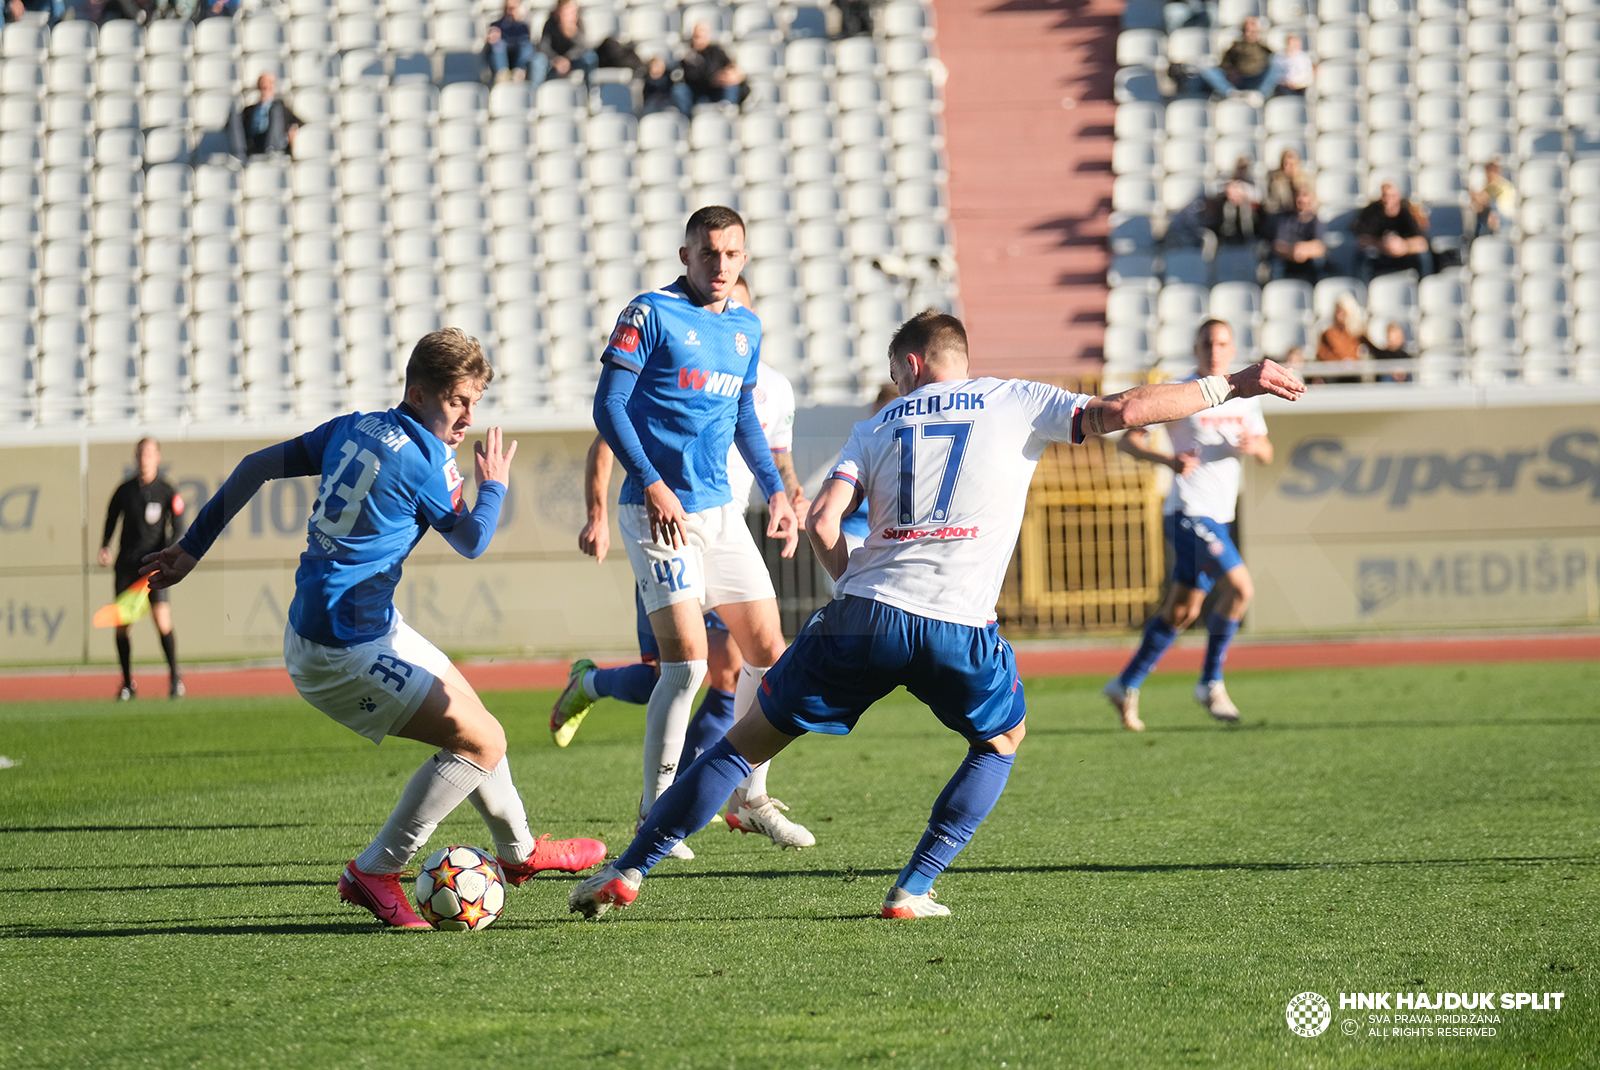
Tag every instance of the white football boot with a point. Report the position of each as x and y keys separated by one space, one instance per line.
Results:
x=1125 y=700
x=760 y=815
x=610 y=889
x=900 y=903
x=1214 y=697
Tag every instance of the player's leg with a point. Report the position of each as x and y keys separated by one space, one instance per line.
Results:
x=161 y=613
x=496 y=799
x=714 y=717
x=968 y=677
x=587 y=683
x=1185 y=595
x=1234 y=591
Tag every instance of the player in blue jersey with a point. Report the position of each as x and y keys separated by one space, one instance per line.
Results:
x=387 y=477
x=945 y=471
x=676 y=391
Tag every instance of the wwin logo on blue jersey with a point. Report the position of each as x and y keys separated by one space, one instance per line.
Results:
x=711 y=382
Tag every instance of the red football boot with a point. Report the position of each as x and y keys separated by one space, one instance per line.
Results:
x=382 y=894
x=565 y=856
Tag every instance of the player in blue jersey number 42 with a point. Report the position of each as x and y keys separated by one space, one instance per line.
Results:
x=386 y=478
x=944 y=471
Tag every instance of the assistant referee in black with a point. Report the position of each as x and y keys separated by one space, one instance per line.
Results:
x=149 y=509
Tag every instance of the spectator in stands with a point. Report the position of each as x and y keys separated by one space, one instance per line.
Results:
x=206 y=9
x=709 y=73
x=1298 y=250
x=508 y=48
x=1247 y=67
x=855 y=18
x=1391 y=347
x=1393 y=236
x=1342 y=339
x=1495 y=203
x=1232 y=214
x=564 y=42
x=103 y=11
x=15 y=9
x=1298 y=71
x=1295 y=358
x=1283 y=184
x=660 y=91
x=265 y=127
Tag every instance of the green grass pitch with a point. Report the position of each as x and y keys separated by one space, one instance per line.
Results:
x=1141 y=901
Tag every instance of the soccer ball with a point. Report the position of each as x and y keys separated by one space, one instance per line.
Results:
x=460 y=888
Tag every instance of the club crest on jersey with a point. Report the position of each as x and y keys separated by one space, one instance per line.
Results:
x=634 y=315
x=453 y=480
x=711 y=382
x=741 y=345
x=152 y=512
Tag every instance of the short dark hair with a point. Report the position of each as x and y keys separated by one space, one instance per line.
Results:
x=1203 y=331
x=711 y=217
x=931 y=333
x=444 y=358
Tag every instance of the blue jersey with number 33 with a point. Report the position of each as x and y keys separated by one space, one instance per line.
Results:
x=385 y=480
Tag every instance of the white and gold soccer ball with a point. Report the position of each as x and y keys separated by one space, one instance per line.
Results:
x=460 y=888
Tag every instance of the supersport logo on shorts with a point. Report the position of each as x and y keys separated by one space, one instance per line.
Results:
x=902 y=534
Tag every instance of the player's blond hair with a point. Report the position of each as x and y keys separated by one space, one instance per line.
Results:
x=937 y=336
x=444 y=358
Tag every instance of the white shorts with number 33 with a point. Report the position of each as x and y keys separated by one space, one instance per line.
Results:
x=717 y=563
x=372 y=689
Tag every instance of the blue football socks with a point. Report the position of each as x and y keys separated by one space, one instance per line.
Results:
x=631 y=683
x=960 y=808
x=689 y=805
x=1158 y=636
x=1222 y=631
x=711 y=722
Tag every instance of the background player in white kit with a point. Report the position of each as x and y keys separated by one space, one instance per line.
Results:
x=1206 y=452
x=676 y=390
x=945 y=471
x=586 y=683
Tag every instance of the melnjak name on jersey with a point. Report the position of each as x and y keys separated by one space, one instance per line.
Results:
x=903 y=534
x=712 y=382
x=931 y=404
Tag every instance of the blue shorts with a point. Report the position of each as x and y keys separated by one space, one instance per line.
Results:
x=1202 y=550
x=854 y=651
x=649 y=653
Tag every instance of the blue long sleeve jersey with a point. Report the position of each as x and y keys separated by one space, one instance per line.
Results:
x=386 y=480
x=675 y=393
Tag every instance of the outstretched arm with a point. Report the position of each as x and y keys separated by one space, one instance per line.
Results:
x=284 y=460
x=1158 y=403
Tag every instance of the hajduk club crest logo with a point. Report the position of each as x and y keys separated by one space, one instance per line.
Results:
x=741 y=345
x=1309 y=1014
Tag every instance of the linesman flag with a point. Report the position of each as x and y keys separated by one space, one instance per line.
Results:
x=131 y=605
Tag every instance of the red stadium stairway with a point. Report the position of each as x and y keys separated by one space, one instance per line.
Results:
x=1028 y=130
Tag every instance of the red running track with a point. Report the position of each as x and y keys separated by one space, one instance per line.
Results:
x=1098 y=661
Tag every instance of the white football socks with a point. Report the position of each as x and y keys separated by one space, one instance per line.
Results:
x=435 y=789
x=498 y=803
x=666 y=722
x=744 y=703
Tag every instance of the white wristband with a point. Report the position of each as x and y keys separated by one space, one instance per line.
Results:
x=1215 y=389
